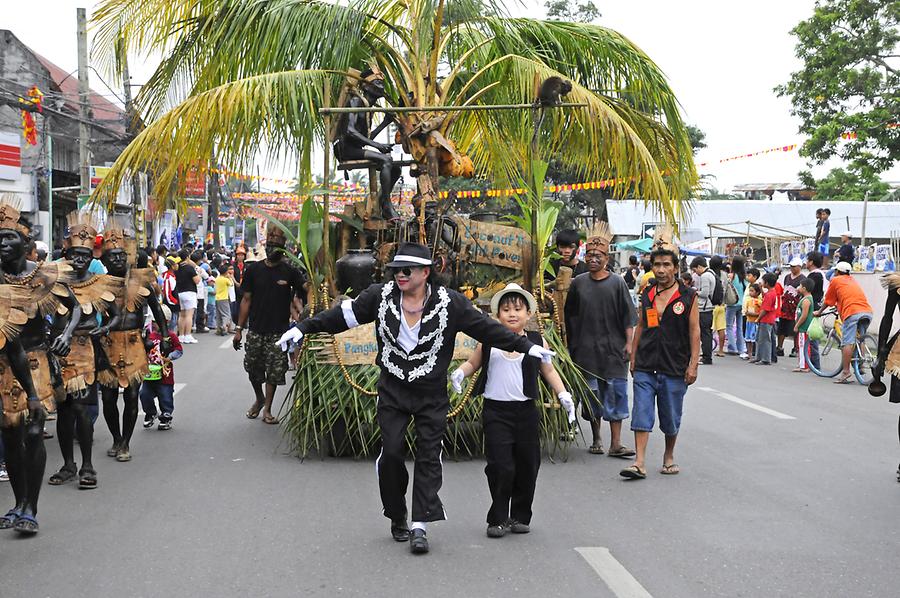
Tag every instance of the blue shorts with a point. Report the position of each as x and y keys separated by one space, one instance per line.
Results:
x=666 y=394
x=613 y=403
x=855 y=325
x=823 y=248
x=750 y=332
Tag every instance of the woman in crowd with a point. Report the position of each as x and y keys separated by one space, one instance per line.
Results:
x=734 y=320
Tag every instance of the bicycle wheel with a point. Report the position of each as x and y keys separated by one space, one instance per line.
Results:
x=829 y=357
x=864 y=359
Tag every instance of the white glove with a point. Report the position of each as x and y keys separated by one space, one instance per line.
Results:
x=565 y=399
x=545 y=355
x=456 y=379
x=293 y=335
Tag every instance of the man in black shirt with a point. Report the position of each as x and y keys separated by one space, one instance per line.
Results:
x=270 y=288
x=846 y=252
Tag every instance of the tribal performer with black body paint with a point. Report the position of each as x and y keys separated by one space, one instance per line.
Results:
x=888 y=348
x=95 y=294
x=22 y=424
x=124 y=346
x=416 y=322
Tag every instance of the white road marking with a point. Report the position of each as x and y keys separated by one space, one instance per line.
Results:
x=178 y=387
x=613 y=573
x=226 y=344
x=748 y=404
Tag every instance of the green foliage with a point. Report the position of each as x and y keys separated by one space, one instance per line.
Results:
x=849 y=184
x=576 y=12
x=849 y=82
x=697 y=138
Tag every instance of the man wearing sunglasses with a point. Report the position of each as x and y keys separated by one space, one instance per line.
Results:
x=416 y=321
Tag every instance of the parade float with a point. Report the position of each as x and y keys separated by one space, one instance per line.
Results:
x=466 y=90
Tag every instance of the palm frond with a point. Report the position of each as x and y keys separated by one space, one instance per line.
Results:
x=595 y=141
x=278 y=110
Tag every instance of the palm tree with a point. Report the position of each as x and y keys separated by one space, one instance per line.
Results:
x=241 y=76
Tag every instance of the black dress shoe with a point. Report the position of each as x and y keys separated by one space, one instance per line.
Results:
x=399 y=530
x=418 y=543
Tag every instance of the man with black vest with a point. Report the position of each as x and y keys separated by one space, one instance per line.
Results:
x=416 y=321
x=664 y=363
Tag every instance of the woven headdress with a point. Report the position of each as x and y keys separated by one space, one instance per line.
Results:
x=82 y=230
x=599 y=237
x=10 y=209
x=664 y=238
x=116 y=234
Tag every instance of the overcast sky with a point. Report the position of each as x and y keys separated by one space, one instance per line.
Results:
x=722 y=59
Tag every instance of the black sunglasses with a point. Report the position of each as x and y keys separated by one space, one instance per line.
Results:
x=407 y=271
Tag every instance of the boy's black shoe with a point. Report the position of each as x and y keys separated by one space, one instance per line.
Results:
x=149 y=420
x=496 y=531
x=706 y=361
x=165 y=422
x=779 y=352
x=517 y=527
x=400 y=530
x=418 y=543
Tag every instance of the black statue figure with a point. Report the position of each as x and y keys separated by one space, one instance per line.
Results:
x=354 y=137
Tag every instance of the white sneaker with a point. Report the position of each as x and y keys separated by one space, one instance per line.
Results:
x=744 y=356
x=191 y=339
x=182 y=339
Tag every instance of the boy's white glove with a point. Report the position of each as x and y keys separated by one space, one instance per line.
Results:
x=456 y=379
x=565 y=399
x=545 y=355
x=293 y=335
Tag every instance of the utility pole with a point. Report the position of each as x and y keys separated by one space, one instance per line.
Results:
x=214 y=200
x=862 y=236
x=83 y=96
x=131 y=128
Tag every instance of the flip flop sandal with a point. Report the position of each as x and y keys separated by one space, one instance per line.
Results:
x=596 y=449
x=633 y=472
x=62 y=476
x=112 y=451
x=253 y=412
x=26 y=525
x=843 y=380
x=270 y=419
x=87 y=479
x=124 y=456
x=9 y=520
x=622 y=452
x=671 y=469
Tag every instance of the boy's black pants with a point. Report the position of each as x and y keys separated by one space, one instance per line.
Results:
x=512 y=446
x=396 y=404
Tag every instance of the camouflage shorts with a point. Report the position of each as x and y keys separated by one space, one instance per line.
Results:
x=264 y=360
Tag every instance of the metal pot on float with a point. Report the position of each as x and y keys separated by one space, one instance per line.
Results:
x=355 y=272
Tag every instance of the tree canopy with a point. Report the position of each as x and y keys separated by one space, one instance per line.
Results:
x=847 y=93
x=243 y=76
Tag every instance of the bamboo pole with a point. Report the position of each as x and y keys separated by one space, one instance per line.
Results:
x=326 y=176
x=399 y=109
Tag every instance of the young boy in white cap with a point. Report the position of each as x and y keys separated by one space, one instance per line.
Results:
x=510 y=385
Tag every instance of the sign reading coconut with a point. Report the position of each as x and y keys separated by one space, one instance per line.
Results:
x=358 y=346
x=486 y=243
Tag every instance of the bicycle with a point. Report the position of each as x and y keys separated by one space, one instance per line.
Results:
x=865 y=353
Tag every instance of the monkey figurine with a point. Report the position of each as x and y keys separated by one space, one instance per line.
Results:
x=549 y=94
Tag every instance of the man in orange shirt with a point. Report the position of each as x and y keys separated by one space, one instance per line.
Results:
x=855 y=312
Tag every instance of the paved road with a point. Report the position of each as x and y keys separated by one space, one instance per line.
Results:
x=799 y=500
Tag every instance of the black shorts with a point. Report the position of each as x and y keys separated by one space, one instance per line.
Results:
x=785 y=327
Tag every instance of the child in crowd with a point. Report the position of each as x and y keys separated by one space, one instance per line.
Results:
x=224 y=284
x=768 y=315
x=211 y=297
x=752 y=305
x=160 y=382
x=805 y=309
x=511 y=420
x=687 y=278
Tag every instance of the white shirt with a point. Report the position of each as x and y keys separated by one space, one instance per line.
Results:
x=408 y=337
x=504 y=382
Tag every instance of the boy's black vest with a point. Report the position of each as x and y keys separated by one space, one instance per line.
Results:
x=530 y=368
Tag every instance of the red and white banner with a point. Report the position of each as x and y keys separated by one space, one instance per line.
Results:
x=10 y=157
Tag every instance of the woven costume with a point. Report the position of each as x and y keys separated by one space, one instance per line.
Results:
x=15 y=401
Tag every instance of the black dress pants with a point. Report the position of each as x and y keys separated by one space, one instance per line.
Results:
x=512 y=446
x=398 y=403
x=706 y=319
